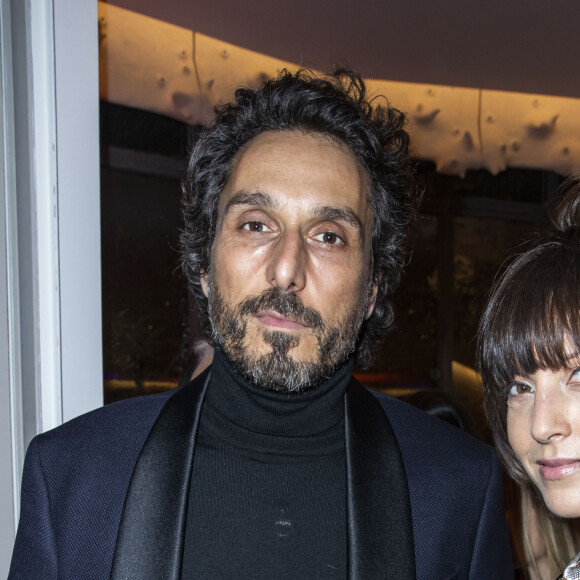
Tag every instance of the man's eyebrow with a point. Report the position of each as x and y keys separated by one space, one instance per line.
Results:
x=343 y=214
x=245 y=198
x=325 y=212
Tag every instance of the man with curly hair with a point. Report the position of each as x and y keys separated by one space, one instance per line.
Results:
x=275 y=462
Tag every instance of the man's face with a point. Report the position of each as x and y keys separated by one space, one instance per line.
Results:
x=289 y=283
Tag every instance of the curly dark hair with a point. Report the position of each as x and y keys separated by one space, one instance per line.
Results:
x=335 y=105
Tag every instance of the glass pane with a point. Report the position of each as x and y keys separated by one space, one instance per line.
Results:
x=409 y=351
x=145 y=310
x=481 y=247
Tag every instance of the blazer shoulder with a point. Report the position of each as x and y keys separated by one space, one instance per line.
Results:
x=107 y=434
x=74 y=485
x=112 y=418
x=454 y=485
x=100 y=439
x=418 y=433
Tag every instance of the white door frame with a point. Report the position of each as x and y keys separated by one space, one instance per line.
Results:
x=50 y=271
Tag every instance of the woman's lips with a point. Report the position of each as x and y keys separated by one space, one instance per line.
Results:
x=278 y=321
x=553 y=469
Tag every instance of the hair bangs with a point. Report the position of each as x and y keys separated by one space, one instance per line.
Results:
x=533 y=319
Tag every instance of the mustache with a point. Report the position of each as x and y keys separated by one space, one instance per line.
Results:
x=286 y=303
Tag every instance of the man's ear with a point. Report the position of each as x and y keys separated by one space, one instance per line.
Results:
x=372 y=300
x=204 y=284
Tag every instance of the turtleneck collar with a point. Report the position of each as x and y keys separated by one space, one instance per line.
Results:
x=252 y=408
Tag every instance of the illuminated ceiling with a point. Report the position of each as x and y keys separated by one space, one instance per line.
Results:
x=513 y=45
x=156 y=66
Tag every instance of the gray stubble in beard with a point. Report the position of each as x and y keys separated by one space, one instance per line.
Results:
x=276 y=370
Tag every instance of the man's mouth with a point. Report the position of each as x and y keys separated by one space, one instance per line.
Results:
x=276 y=321
x=279 y=310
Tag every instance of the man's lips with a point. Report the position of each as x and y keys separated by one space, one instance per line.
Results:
x=554 y=469
x=278 y=321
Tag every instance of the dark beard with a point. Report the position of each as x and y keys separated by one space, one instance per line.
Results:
x=276 y=371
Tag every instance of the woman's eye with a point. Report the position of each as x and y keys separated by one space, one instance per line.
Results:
x=575 y=375
x=329 y=238
x=255 y=227
x=519 y=388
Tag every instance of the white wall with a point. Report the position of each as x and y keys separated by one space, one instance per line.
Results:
x=50 y=289
x=10 y=441
x=77 y=108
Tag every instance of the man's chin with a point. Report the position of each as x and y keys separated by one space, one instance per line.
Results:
x=297 y=351
x=282 y=360
x=279 y=363
x=285 y=362
x=280 y=374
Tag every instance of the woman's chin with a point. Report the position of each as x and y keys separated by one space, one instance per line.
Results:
x=562 y=505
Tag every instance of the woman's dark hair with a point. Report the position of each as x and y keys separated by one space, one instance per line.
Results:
x=335 y=106
x=532 y=319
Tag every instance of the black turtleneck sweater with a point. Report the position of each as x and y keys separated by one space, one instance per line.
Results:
x=268 y=489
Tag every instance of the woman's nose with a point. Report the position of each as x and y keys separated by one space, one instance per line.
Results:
x=550 y=412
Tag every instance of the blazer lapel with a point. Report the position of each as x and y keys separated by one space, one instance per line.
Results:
x=379 y=525
x=152 y=529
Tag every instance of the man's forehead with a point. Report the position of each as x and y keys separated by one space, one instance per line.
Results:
x=279 y=168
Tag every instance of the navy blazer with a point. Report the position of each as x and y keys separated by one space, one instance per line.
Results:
x=105 y=495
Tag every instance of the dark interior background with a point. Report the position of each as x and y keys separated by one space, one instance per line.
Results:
x=466 y=230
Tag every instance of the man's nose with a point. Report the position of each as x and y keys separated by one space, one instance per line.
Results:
x=287 y=264
x=550 y=419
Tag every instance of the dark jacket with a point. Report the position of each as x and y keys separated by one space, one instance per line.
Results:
x=105 y=495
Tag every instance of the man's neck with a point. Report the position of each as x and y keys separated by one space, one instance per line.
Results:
x=291 y=414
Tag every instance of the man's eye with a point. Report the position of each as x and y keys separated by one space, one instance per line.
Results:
x=329 y=238
x=519 y=388
x=255 y=227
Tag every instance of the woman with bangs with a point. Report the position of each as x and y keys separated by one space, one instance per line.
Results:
x=529 y=360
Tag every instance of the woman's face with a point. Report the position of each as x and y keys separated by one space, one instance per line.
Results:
x=543 y=422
